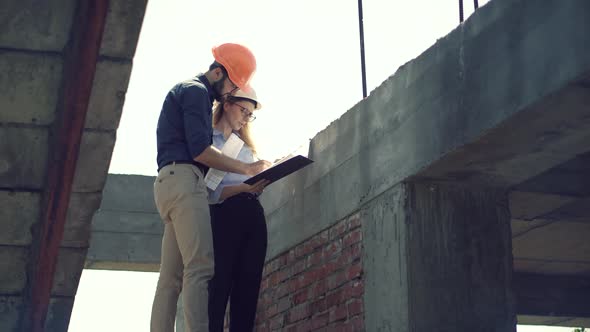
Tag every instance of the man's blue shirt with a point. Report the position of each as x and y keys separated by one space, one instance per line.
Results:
x=184 y=127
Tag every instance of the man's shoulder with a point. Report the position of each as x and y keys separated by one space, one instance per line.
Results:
x=194 y=85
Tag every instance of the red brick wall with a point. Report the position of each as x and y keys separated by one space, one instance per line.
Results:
x=316 y=285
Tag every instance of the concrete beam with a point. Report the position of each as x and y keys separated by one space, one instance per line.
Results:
x=127 y=230
x=129 y=241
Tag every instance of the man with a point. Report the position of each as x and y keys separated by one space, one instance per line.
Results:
x=184 y=138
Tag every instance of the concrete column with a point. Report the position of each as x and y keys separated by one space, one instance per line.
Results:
x=438 y=258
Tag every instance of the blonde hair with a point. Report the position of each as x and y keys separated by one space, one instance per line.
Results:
x=244 y=132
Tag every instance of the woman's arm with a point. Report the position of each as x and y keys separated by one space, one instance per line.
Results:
x=230 y=191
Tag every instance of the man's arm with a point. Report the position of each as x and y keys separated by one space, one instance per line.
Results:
x=212 y=157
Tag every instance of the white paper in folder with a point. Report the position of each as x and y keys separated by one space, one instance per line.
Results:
x=231 y=148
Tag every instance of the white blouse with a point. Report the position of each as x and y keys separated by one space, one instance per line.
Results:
x=230 y=179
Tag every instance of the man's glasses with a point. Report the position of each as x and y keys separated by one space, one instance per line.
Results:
x=249 y=115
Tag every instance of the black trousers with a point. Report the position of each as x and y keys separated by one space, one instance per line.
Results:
x=239 y=243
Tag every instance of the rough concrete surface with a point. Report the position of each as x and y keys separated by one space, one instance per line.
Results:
x=23 y=169
x=29 y=85
x=20 y=210
x=36 y=25
x=108 y=94
x=385 y=262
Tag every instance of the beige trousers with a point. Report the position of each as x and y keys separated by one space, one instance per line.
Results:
x=187 y=248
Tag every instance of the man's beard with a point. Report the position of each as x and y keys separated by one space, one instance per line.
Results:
x=217 y=89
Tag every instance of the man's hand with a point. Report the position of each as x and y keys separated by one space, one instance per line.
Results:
x=257 y=167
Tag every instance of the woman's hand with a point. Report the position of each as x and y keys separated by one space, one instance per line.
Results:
x=256 y=188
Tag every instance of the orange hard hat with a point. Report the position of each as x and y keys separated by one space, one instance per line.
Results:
x=239 y=62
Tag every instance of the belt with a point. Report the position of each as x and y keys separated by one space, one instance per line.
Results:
x=189 y=162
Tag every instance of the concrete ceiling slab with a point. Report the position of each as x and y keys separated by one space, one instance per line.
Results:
x=58 y=314
x=551 y=267
x=530 y=205
x=36 y=25
x=30 y=84
x=559 y=241
x=20 y=167
x=10 y=308
x=94 y=159
x=13 y=264
x=20 y=210
x=108 y=94
x=520 y=227
x=78 y=227
x=568 y=179
x=121 y=31
x=70 y=262
x=575 y=211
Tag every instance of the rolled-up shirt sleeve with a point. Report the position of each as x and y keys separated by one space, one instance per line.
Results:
x=196 y=109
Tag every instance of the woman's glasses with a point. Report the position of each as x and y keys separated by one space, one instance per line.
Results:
x=247 y=114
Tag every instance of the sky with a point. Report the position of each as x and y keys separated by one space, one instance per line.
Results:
x=308 y=75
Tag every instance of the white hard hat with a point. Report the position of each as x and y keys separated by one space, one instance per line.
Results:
x=249 y=94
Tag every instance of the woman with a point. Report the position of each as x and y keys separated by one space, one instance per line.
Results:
x=237 y=222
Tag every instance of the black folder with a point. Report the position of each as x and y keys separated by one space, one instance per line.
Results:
x=281 y=170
